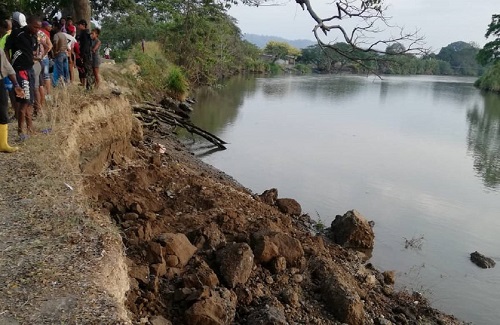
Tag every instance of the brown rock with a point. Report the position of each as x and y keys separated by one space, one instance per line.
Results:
x=268 y=245
x=278 y=264
x=339 y=291
x=235 y=263
x=171 y=260
x=289 y=206
x=154 y=252
x=210 y=237
x=268 y=315
x=199 y=275
x=290 y=296
x=178 y=245
x=130 y=216
x=140 y=273
x=269 y=196
x=389 y=277
x=352 y=230
x=159 y=269
x=218 y=309
x=159 y=320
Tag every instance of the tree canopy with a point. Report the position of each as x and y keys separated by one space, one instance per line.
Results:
x=491 y=51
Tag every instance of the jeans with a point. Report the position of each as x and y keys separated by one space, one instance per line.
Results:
x=45 y=68
x=61 y=69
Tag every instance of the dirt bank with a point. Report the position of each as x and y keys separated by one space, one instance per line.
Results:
x=100 y=226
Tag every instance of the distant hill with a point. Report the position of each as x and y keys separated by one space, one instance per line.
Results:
x=262 y=40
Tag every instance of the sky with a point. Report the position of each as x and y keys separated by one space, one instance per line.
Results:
x=441 y=22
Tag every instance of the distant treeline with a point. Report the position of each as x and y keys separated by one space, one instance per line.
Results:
x=458 y=58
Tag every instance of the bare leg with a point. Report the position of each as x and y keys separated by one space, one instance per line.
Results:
x=21 y=117
x=96 y=75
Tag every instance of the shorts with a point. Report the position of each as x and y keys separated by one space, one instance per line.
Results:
x=26 y=79
x=45 y=68
x=9 y=86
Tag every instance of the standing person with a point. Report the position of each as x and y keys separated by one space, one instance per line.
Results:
x=60 y=57
x=71 y=56
x=20 y=47
x=107 y=50
x=96 y=58
x=6 y=71
x=62 y=25
x=71 y=29
x=5 y=30
x=47 y=83
x=85 y=53
x=143 y=45
x=41 y=53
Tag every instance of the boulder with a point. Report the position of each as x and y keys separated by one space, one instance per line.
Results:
x=139 y=272
x=178 y=245
x=269 y=196
x=481 y=260
x=209 y=237
x=289 y=206
x=235 y=263
x=352 y=231
x=200 y=274
x=268 y=245
x=340 y=291
x=218 y=308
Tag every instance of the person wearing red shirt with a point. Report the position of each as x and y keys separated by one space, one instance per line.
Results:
x=71 y=29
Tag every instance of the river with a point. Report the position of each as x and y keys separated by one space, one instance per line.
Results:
x=419 y=155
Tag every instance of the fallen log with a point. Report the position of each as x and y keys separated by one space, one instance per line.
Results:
x=150 y=113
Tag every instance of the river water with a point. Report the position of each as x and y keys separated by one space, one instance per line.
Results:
x=418 y=155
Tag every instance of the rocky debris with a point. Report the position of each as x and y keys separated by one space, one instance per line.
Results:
x=209 y=237
x=204 y=250
x=159 y=320
x=235 y=263
x=218 y=308
x=268 y=245
x=289 y=206
x=268 y=315
x=352 y=230
x=199 y=275
x=481 y=260
x=176 y=246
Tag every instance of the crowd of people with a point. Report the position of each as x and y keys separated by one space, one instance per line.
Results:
x=38 y=54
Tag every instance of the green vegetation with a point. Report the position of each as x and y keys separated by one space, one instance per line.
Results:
x=455 y=59
x=489 y=56
x=176 y=84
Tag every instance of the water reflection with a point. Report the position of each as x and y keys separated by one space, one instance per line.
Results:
x=220 y=107
x=483 y=139
x=313 y=86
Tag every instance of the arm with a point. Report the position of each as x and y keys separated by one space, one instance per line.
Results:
x=96 y=46
x=7 y=70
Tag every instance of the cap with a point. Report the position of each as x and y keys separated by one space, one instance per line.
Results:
x=19 y=18
x=46 y=24
x=82 y=22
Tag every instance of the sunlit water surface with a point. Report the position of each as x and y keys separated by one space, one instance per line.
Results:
x=418 y=155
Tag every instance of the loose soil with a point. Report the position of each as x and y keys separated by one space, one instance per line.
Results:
x=99 y=224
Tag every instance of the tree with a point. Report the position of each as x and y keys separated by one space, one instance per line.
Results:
x=491 y=50
x=280 y=50
x=395 y=48
x=462 y=58
x=370 y=20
